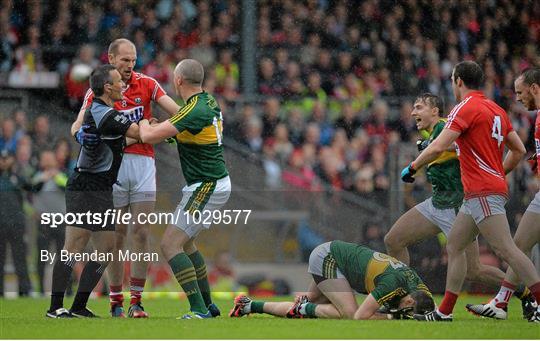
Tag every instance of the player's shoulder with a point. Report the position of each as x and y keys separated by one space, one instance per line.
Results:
x=100 y=111
x=142 y=78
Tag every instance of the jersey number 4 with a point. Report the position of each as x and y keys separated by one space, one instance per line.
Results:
x=496 y=130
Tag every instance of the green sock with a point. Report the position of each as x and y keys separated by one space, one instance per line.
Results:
x=310 y=309
x=184 y=272
x=522 y=292
x=257 y=307
x=202 y=279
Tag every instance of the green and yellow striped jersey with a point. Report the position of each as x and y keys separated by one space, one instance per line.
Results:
x=199 y=139
x=444 y=175
x=368 y=271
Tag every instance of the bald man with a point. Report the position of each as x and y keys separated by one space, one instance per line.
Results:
x=197 y=128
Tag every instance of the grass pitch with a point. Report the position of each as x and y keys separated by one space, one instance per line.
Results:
x=24 y=319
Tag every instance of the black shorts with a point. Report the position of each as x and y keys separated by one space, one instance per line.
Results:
x=88 y=197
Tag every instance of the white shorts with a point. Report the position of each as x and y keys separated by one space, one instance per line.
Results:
x=480 y=208
x=198 y=202
x=534 y=206
x=442 y=218
x=322 y=263
x=136 y=180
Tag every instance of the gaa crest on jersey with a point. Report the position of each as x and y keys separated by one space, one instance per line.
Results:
x=138 y=100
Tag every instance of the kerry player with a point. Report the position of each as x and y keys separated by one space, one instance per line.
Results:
x=197 y=128
x=135 y=190
x=338 y=269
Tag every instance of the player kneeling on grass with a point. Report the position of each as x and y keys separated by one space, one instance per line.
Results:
x=338 y=269
x=89 y=189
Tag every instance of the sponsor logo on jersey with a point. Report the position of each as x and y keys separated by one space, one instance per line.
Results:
x=537 y=143
x=134 y=114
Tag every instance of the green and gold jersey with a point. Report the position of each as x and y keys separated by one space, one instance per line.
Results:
x=199 y=139
x=368 y=271
x=444 y=175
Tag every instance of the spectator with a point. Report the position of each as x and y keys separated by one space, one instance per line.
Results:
x=271 y=166
x=299 y=175
x=21 y=121
x=319 y=117
x=64 y=156
x=13 y=223
x=349 y=121
x=377 y=127
x=41 y=135
x=49 y=185
x=270 y=117
x=226 y=67
x=76 y=88
x=253 y=135
x=10 y=136
x=268 y=85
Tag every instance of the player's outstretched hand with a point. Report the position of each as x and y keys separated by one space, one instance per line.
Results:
x=407 y=173
x=85 y=138
x=402 y=314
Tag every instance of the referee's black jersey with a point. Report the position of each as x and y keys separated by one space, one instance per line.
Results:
x=103 y=161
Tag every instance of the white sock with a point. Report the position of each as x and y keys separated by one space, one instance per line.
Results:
x=441 y=314
x=503 y=296
x=247 y=308
x=302 y=309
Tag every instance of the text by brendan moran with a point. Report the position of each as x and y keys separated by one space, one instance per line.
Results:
x=95 y=256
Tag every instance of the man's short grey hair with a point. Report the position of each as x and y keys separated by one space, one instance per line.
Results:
x=115 y=45
x=191 y=71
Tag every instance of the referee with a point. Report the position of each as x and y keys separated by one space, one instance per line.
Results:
x=89 y=189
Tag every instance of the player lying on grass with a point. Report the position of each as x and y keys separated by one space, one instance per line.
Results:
x=438 y=213
x=527 y=87
x=338 y=269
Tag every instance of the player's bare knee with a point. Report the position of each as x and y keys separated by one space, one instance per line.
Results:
x=347 y=313
x=523 y=245
x=121 y=230
x=169 y=249
x=473 y=274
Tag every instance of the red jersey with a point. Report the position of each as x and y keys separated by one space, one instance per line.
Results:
x=537 y=141
x=483 y=126
x=140 y=91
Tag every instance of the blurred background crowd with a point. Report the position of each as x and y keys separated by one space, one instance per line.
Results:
x=336 y=81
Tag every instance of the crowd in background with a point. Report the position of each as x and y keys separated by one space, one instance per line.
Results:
x=336 y=79
x=333 y=75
